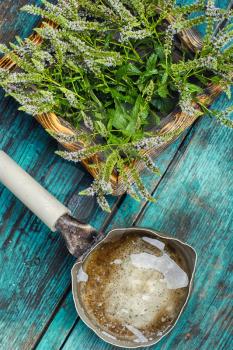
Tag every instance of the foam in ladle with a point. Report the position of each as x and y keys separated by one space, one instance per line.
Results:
x=133 y=288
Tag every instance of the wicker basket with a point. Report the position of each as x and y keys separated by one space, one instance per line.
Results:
x=175 y=123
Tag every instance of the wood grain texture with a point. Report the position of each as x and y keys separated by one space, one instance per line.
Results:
x=35 y=266
x=64 y=312
x=13 y=22
x=195 y=203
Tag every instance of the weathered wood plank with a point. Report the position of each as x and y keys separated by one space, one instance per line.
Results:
x=131 y=209
x=199 y=210
x=28 y=308
x=82 y=206
x=13 y=22
x=67 y=310
x=35 y=263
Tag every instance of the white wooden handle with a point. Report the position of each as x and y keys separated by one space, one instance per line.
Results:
x=30 y=192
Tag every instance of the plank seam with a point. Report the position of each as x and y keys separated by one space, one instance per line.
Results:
x=70 y=331
x=56 y=309
x=122 y=198
x=183 y=145
x=105 y=224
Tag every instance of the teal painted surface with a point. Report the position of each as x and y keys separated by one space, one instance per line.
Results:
x=194 y=203
x=65 y=313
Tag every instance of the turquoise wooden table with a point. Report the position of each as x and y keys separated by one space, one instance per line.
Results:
x=194 y=203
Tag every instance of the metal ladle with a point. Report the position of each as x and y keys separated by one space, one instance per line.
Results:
x=81 y=238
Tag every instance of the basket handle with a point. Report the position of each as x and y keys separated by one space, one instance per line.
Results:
x=30 y=192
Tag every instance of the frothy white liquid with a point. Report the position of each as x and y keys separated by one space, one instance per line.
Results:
x=134 y=287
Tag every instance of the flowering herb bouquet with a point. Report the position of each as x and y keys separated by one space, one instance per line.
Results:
x=113 y=69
